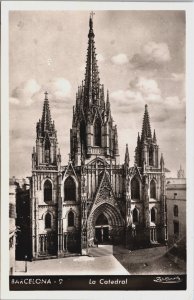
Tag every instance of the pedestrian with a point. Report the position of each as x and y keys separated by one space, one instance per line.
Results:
x=96 y=241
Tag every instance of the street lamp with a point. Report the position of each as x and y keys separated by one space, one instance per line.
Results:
x=26 y=263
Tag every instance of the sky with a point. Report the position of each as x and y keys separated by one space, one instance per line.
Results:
x=141 y=58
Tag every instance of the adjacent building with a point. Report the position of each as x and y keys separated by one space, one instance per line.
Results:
x=176 y=207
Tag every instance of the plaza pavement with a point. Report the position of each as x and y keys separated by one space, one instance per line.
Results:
x=99 y=262
x=106 y=260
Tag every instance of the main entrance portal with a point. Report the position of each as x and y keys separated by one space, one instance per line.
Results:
x=102 y=230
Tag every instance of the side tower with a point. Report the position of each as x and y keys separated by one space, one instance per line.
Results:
x=45 y=191
x=148 y=196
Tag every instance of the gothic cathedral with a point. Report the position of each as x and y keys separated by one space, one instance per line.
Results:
x=95 y=198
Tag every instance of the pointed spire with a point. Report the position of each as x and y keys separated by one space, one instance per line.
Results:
x=91 y=25
x=154 y=137
x=107 y=102
x=46 y=116
x=92 y=80
x=146 y=129
x=127 y=159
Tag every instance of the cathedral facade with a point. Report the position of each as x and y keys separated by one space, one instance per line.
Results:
x=94 y=198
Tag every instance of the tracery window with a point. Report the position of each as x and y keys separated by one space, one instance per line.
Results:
x=70 y=219
x=97 y=133
x=152 y=189
x=176 y=211
x=48 y=221
x=153 y=215
x=151 y=158
x=83 y=134
x=135 y=215
x=135 y=189
x=70 y=189
x=47 y=191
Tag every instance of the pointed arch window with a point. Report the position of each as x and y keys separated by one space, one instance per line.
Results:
x=135 y=189
x=70 y=189
x=135 y=215
x=70 y=219
x=151 y=158
x=47 y=191
x=176 y=211
x=83 y=134
x=48 y=221
x=152 y=189
x=47 y=149
x=153 y=215
x=97 y=133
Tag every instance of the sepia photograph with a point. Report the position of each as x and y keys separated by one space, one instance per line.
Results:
x=97 y=149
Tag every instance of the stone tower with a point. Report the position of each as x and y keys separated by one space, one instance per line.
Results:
x=46 y=163
x=152 y=185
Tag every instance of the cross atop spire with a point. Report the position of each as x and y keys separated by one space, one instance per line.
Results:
x=92 y=14
x=46 y=95
x=146 y=128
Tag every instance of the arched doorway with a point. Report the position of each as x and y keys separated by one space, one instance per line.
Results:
x=102 y=229
x=106 y=224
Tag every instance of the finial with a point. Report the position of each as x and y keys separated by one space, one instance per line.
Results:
x=91 y=20
x=46 y=95
x=91 y=15
x=154 y=136
x=107 y=95
x=162 y=159
x=127 y=159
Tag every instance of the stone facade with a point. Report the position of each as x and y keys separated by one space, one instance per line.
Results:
x=95 y=198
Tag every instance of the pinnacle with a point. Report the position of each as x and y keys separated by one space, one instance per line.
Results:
x=162 y=159
x=146 y=128
x=46 y=116
x=127 y=155
x=154 y=136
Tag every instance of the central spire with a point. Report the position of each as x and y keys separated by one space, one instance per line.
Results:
x=92 y=80
x=93 y=132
